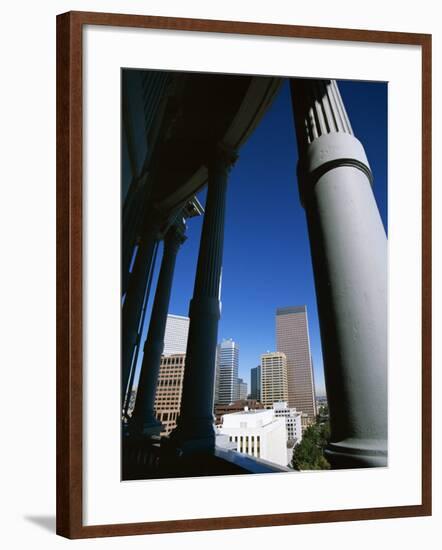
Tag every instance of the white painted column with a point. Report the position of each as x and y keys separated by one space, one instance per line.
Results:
x=349 y=254
x=144 y=421
x=195 y=426
x=133 y=304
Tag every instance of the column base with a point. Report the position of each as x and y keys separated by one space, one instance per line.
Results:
x=150 y=427
x=357 y=453
x=183 y=441
x=140 y=456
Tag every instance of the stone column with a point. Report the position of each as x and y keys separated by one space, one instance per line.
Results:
x=195 y=426
x=133 y=303
x=143 y=420
x=141 y=324
x=349 y=254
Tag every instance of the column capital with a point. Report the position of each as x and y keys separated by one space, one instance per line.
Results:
x=175 y=235
x=152 y=225
x=324 y=133
x=222 y=155
x=318 y=109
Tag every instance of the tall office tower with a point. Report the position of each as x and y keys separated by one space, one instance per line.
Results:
x=170 y=377
x=292 y=339
x=226 y=379
x=255 y=383
x=274 y=385
x=175 y=336
x=169 y=390
x=242 y=389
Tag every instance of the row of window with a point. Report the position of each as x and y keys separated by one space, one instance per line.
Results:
x=167 y=416
x=170 y=381
x=247 y=444
x=177 y=361
x=168 y=398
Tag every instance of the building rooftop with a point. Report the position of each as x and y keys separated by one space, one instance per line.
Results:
x=178 y=316
x=290 y=309
x=250 y=418
x=274 y=354
x=250 y=411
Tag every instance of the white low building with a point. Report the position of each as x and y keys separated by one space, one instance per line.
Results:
x=293 y=421
x=258 y=433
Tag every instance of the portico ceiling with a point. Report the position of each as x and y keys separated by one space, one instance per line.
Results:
x=203 y=110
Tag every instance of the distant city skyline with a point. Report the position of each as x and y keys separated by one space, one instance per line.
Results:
x=267 y=260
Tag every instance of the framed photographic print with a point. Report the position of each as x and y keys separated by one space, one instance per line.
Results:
x=243 y=274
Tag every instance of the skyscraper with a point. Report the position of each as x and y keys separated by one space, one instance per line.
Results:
x=255 y=383
x=226 y=380
x=292 y=338
x=242 y=389
x=169 y=390
x=274 y=385
x=171 y=373
x=175 y=337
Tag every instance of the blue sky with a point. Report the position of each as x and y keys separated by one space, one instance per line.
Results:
x=267 y=260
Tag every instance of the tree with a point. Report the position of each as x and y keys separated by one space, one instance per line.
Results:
x=309 y=454
x=322 y=415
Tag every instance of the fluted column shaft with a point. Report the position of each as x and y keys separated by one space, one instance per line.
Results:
x=349 y=254
x=143 y=420
x=131 y=219
x=195 y=429
x=133 y=303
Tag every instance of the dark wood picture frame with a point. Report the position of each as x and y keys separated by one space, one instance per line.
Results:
x=70 y=265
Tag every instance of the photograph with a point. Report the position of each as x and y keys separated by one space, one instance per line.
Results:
x=222 y=252
x=254 y=274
